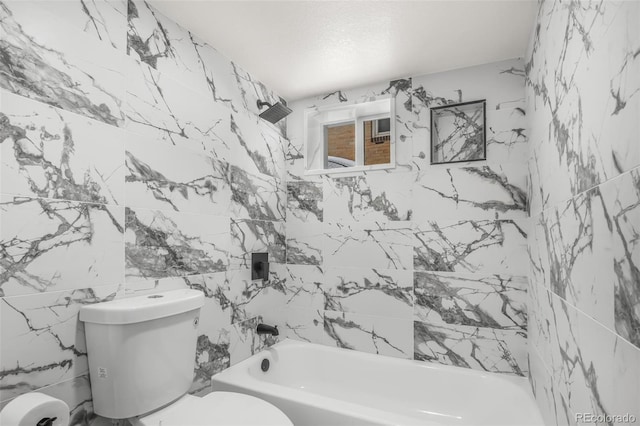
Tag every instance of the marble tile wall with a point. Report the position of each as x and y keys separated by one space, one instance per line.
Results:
x=583 y=102
x=425 y=262
x=131 y=161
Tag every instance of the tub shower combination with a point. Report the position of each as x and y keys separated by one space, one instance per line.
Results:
x=319 y=385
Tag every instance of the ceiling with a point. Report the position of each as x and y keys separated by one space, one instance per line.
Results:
x=304 y=48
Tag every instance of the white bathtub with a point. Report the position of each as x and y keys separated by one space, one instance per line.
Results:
x=320 y=385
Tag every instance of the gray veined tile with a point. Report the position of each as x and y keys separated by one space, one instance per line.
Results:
x=493 y=350
x=250 y=236
x=304 y=243
x=361 y=244
x=306 y=325
x=497 y=82
x=507 y=133
x=258 y=148
x=212 y=356
x=378 y=335
x=305 y=213
x=372 y=197
x=622 y=200
x=251 y=90
x=256 y=196
x=44 y=64
x=470 y=192
x=579 y=358
x=502 y=84
x=98 y=20
x=381 y=292
x=301 y=285
x=483 y=246
x=169 y=178
x=457 y=133
x=219 y=74
x=250 y=298
x=572 y=254
x=50 y=153
x=166 y=243
x=547 y=398
x=162 y=108
x=305 y=201
x=50 y=245
x=245 y=341
x=539 y=330
x=626 y=392
x=492 y=301
x=598 y=140
x=47 y=324
x=161 y=43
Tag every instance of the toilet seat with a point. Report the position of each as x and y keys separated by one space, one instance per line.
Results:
x=217 y=408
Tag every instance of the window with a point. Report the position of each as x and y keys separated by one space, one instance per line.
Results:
x=382 y=127
x=347 y=138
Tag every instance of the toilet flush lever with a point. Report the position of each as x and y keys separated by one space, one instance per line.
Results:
x=47 y=421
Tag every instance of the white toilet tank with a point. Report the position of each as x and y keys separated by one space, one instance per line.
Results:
x=141 y=351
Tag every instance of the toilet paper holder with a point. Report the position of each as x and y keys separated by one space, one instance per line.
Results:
x=47 y=421
x=35 y=409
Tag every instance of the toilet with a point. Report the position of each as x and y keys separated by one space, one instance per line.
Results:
x=141 y=353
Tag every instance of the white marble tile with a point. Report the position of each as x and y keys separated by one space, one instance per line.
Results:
x=251 y=236
x=258 y=196
x=251 y=298
x=50 y=63
x=626 y=370
x=245 y=341
x=473 y=191
x=304 y=324
x=621 y=198
x=492 y=301
x=257 y=147
x=576 y=240
x=378 y=335
x=160 y=243
x=374 y=196
x=549 y=403
x=362 y=244
x=167 y=177
x=583 y=98
x=305 y=211
x=165 y=109
x=483 y=246
x=301 y=285
x=158 y=41
x=381 y=292
x=50 y=153
x=502 y=84
x=48 y=325
x=50 y=245
x=103 y=21
x=493 y=350
x=304 y=242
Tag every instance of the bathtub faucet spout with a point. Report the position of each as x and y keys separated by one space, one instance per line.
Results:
x=267 y=329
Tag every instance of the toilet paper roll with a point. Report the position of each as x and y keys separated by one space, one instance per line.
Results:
x=32 y=409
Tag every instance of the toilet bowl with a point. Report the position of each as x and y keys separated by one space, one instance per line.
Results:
x=216 y=408
x=141 y=353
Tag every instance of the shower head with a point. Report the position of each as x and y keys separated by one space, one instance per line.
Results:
x=275 y=112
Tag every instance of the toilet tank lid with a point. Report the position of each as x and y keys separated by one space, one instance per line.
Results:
x=142 y=308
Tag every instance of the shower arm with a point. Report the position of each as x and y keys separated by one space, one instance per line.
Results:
x=262 y=104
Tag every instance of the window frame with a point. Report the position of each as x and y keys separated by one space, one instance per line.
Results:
x=317 y=119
